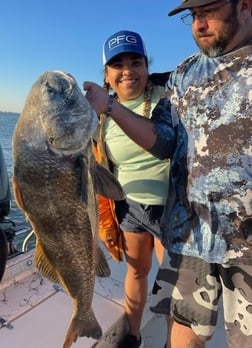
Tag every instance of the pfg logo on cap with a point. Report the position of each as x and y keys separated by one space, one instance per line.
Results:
x=122 y=40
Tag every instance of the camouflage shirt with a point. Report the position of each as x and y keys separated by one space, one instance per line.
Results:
x=209 y=208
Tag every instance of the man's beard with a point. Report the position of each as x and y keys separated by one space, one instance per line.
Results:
x=219 y=46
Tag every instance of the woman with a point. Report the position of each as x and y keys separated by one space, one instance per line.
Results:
x=131 y=226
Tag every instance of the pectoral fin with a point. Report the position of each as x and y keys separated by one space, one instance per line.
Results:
x=106 y=184
x=102 y=267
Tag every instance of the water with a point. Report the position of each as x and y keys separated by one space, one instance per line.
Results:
x=7 y=124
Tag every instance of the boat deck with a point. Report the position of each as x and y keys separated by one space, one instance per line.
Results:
x=35 y=312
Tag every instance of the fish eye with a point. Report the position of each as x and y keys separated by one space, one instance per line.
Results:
x=50 y=90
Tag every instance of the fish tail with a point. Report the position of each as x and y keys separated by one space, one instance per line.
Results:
x=79 y=328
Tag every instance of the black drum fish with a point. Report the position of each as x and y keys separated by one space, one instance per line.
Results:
x=56 y=181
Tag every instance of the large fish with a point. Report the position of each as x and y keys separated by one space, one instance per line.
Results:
x=55 y=182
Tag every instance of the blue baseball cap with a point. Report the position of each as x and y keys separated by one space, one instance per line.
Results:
x=123 y=41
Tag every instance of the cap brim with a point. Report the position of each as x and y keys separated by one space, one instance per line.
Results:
x=189 y=4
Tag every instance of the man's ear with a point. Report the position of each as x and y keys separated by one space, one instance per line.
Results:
x=245 y=7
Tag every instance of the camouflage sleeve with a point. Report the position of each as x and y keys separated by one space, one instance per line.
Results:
x=165 y=129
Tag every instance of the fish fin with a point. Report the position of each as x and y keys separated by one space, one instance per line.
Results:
x=18 y=194
x=43 y=264
x=89 y=328
x=102 y=268
x=106 y=184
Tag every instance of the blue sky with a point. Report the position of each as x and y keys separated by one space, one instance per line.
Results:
x=40 y=35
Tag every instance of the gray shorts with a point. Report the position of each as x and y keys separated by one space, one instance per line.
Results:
x=137 y=217
x=193 y=298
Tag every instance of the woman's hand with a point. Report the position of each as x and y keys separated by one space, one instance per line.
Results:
x=140 y=129
x=97 y=96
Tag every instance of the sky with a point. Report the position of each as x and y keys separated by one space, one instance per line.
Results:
x=41 y=35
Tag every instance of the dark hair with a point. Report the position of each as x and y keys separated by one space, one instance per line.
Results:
x=136 y=55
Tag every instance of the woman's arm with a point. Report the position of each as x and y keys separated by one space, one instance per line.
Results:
x=155 y=135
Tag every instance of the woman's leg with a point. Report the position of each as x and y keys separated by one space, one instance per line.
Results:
x=138 y=252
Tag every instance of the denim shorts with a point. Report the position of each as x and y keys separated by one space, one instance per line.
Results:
x=137 y=217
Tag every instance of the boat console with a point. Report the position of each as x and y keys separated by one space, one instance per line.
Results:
x=5 y=193
x=5 y=203
x=8 y=229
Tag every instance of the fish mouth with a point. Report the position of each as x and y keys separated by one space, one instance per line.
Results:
x=68 y=142
x=66 y=152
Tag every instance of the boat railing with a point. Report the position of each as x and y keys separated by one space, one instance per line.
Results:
x=19 y=239
x=14 y=241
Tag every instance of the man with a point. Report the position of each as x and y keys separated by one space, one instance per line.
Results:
x=207 y=226
x=206 y=129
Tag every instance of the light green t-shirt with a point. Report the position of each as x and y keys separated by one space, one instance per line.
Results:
x=143 y=177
